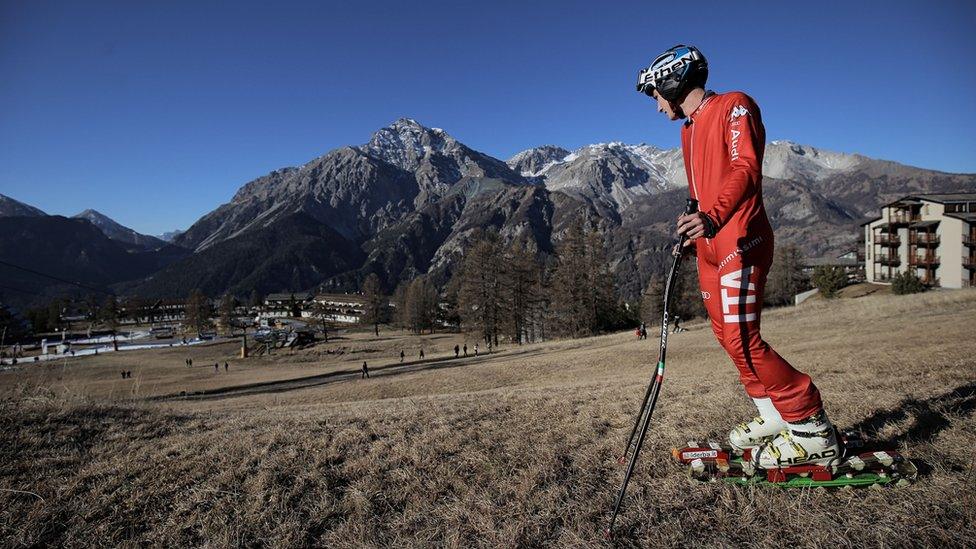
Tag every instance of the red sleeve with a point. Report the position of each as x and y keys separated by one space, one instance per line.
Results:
x=745 y=140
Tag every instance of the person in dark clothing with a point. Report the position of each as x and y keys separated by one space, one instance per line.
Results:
x=457 y=350
x=465 y=349
x=123 y=374
x=421 y=354
x=677 y=325
x=226 y=366
x=365 y=371
x=216 y=367
x=401 y=355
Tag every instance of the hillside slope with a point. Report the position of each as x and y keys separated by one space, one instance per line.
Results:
x=515 y=449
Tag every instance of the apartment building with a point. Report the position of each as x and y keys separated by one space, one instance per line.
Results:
x=932 y=235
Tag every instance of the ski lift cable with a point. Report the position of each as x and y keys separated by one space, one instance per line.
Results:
x=52 y=277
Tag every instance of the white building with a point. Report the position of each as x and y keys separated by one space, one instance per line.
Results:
x=344 y=308
x=933 y=235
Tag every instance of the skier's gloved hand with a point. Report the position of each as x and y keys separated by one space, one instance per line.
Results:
x=696 y=225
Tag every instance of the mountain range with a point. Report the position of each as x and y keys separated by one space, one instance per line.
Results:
x=408 y=201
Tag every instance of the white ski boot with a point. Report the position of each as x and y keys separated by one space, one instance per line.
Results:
x=762 y=429
x=812 y=441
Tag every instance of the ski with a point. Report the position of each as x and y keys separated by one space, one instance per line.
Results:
x=713 y=462
x=712 y=451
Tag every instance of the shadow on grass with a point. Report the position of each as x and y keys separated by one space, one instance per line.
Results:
x=929 y=416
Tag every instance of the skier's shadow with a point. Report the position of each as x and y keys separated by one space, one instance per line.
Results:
x=929 y=417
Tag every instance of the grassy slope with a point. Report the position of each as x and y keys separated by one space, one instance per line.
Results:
x=517 y=449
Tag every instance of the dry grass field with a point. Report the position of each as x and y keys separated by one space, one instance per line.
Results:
x=514 y=449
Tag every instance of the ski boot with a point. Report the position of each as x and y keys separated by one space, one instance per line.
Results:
x=761 y=430
x=813 y=441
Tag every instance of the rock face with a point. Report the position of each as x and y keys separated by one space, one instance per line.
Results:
x=357 y=191
x=13 y=208
x=132 y=240
x=534 y=162
x=408 y=202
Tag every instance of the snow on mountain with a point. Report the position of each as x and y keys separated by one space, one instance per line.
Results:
x=789 y=160
x=433 y=154
x=614 y=173
x=168 y=236
x=624 y=171
x=534 y=162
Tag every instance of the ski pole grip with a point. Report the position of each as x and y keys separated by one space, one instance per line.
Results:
x=691 y=206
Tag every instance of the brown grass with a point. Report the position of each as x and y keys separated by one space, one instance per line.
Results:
x=514 y=450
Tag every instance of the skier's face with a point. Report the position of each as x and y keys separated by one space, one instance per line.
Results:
x=664 y=106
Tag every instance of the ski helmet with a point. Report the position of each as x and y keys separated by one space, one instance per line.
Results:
x=674 y=72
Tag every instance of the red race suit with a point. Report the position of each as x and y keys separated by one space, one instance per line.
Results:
x=723 y=143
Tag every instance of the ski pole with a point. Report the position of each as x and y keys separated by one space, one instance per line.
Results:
x=690 y=207
x=654 y=387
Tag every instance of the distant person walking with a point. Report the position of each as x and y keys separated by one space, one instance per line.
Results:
x=457 y=350
x=677 y=325
x=401 y=355
x=365 y=371
x=216 y=366
x=226 y=366
x=123 y=374
x=421 y=354
x=475 y=349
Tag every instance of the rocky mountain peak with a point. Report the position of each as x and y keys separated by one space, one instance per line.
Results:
x=118 y=232
x=533 y=162
x=790 y=160
x=406 y=142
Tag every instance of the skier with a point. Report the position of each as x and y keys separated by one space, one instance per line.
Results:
x=723 y=141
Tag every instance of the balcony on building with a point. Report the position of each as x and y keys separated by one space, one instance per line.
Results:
x=923 y=239
x=925 y=260
x=888 y=260
x=888 y=239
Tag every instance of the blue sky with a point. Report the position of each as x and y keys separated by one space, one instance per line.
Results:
x=156 y=114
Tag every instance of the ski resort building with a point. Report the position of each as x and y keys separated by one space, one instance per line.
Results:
x=344 y=308
x=932 y=235
x=284 y=305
